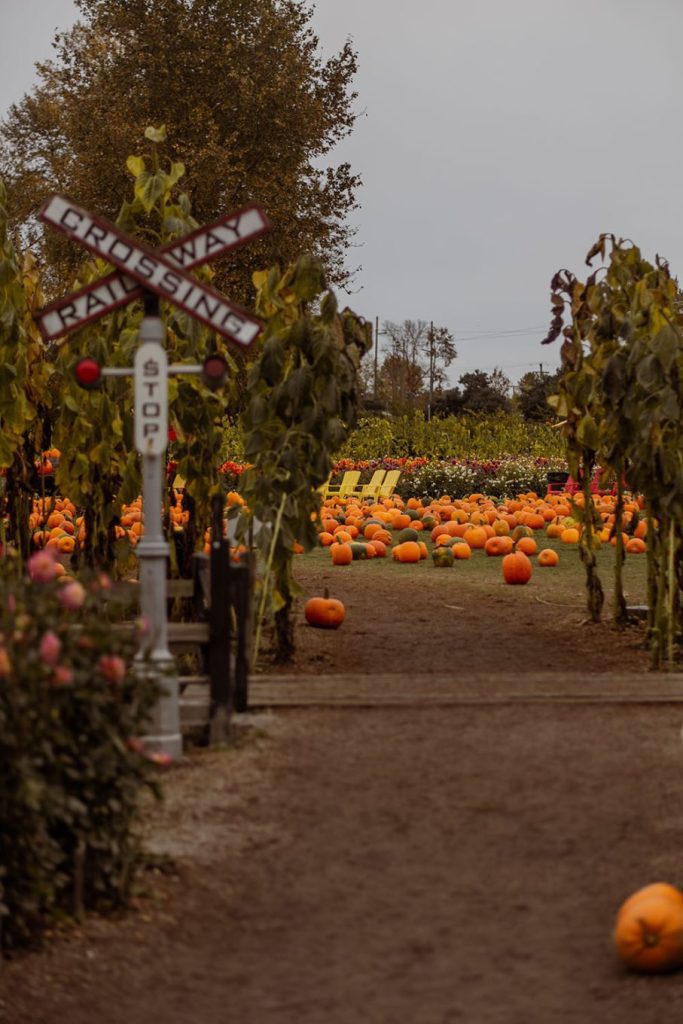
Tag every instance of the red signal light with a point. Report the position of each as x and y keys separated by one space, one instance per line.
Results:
x=88 y=372
x=214 y=371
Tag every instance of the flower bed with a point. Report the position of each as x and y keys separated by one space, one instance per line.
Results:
x=70 y=715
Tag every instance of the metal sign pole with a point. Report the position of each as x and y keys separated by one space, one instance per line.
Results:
x=155 y=659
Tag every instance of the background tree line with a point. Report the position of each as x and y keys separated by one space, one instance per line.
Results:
x=412 y=376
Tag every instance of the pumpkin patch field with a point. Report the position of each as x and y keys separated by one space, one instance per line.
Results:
x=425 y=563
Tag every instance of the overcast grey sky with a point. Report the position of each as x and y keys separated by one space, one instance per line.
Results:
x=496 y=140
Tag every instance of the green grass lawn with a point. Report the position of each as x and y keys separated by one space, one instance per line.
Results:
x=563 y=584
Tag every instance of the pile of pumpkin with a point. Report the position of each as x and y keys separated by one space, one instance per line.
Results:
x=54 y=523
x=353 y=529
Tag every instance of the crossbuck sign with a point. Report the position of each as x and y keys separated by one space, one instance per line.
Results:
x=143 y=271
x=161 y=271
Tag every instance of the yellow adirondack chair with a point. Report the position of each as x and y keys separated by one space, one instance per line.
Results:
x=345 y=487
x=388 y=485
x=370 y=490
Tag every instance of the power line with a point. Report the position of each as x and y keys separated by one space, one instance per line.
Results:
x=492 y=335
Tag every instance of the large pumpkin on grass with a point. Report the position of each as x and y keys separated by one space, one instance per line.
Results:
x=516 y=568
x=648 y=933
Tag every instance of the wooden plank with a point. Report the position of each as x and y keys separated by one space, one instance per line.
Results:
x=129 y=590
x=180 y=588
x=188 y=632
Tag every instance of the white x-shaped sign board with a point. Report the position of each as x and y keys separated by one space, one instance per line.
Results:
x=141 y=268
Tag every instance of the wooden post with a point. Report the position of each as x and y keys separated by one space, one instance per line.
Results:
x=220 y=676
x=241 y=579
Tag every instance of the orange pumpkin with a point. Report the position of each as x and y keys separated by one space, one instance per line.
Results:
x=526 y=544
x=379 y=548
x=409 y=551
x=548 y=557
x=665 y=889
x=384 y=536
x=324 y=612
x=516 y=568
x=498 y=545
x=648 y=933
x=635 y=546
x=342 y=554
x=401 y=521
x=461 y=551
x=475 y=536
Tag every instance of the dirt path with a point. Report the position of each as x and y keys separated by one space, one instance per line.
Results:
x=401 y=862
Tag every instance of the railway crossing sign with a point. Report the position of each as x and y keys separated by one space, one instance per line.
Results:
x=153 y=274
x=140 y=268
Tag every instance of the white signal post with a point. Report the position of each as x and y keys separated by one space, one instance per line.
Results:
x=151 y=439
x=154 y=275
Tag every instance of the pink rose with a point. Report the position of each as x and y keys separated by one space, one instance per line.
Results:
x=112 y=667
x=42 y=566
x=62 y=676
x=50 y=648
x=72 y=596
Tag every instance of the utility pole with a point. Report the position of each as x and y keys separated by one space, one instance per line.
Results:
x=431 y=370
x=376 y=352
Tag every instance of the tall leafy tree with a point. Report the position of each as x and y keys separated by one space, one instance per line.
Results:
x=414 y=369
x=249 y=105
x=481 y=392
x=532 y=393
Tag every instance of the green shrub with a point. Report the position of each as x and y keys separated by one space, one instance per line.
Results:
x=454 y=437
x=72 y=766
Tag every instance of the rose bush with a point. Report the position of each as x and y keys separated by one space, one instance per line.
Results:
x=72 y=765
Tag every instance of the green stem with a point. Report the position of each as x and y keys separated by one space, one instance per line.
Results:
x=266 y=578
x=659 y=630
x=651 y=567
x=671 y=584
x=619 y=606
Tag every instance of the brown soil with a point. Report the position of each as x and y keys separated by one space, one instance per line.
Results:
x=448 y=841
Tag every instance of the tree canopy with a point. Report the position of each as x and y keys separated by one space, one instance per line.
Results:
x=532 y=394
x=481 y=392
x=247 y=102
x=414 y=368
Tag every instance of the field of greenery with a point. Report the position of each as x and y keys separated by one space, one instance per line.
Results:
x=500 y=454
